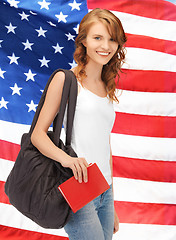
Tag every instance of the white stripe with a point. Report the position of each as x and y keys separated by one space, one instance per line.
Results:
x=11 y=217
x=145 y=232
x=5 y=168
x=127 y=189
x=144 y=59
x=161 y=29
x=12 y=132
x=146 y=103
x=133 y=190
x=151 y=148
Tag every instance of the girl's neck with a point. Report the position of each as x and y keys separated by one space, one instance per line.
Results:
x=93 y=72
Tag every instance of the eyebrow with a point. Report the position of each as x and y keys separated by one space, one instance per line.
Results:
x=97 y=35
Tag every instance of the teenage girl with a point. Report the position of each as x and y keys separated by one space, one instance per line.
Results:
x=99 y=55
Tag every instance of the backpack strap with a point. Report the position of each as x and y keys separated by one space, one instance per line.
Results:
x=69 y=94
x=71 y=83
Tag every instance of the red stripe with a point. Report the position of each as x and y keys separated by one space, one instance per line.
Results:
x=146 y=213
x=151 y=43
x=3 y=196
x=157 y=9
x=147 y=81
x=8 y=150
x=151 y=170
x=9 y=233
x=145 y=125
x=128 y=212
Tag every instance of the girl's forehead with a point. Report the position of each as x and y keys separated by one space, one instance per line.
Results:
x=98 y=28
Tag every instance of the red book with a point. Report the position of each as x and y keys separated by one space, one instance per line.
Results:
x=78 y=194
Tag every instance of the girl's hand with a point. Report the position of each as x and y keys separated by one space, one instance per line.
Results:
x=78 y=166
x=116 y=222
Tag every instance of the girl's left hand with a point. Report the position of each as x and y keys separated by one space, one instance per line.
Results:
x=116 y=222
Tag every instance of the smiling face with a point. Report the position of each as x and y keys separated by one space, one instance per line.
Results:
x=100 y=47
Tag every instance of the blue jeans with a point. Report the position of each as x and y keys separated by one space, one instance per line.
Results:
x=95 y=221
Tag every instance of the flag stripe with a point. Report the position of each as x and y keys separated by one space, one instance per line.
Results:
x=9 y=151
x=146 y=213
x=146 y=103
x=162 y=149
x=17 y=129
x=164 y=193
x=161 y=171
x=145 y=125
x=158 y=9
x=147 y=81
x=3 y=196
x=164 y=213
x=20 y=234
x=20 y=221
x=151 y=43
x=144 y=59
x=134 y=190
x=125 y=185
x=150 y=213
x=142 y=26
x=6 y=167
x=146 y=231
x=12 y=132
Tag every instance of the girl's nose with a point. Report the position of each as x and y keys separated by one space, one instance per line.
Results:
x=105 y=45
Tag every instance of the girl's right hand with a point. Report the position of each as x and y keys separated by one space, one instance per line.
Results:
x=78 y=166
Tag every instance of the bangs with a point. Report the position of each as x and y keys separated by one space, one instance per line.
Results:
x=112 y=28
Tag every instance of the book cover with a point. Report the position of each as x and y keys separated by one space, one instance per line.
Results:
x=78 y=194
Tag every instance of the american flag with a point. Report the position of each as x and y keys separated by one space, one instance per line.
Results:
x=37 y=37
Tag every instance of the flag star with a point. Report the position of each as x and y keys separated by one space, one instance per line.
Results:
x=70 y=37
x=44 y=4
x=75 y=5
x=16 y=90
x=41 y=32
x=73 y=64
x=0 y=43
x=24 y=16
x=44 y=62
x=32 y=106
x=3 y=103
x=61 y=17
x=1 y=73
x=76 y=29
x=11 y=28
x=13 y=3
x=13 y=59
x=58 y=48
x=51 y=24
x=27 y=45
x=30 y=75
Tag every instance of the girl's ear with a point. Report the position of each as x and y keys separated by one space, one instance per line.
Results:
x=84 y=43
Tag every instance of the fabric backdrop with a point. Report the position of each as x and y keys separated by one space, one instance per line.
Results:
x=37 y=37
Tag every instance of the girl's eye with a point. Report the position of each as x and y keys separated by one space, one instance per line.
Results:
x=112 y=40
x=97 y=38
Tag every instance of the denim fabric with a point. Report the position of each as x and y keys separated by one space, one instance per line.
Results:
x=95 y=221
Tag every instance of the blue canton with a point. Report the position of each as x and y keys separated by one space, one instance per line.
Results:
x=36 y=37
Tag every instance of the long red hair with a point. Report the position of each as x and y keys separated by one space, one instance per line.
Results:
x=111 y=70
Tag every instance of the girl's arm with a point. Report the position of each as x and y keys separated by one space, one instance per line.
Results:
x=39 y=135
x=116 y=219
